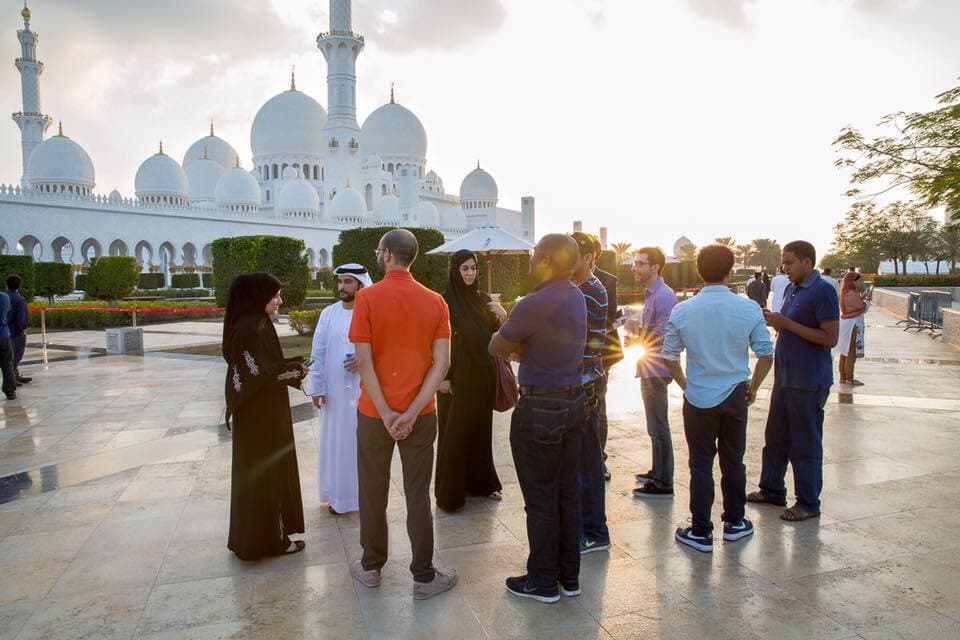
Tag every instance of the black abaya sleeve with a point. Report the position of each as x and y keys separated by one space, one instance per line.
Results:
x=254 y=365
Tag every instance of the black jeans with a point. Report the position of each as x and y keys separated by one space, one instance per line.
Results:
x=722 y=429
x=19 y=346
x=545 y=437
x=6 y=365
x=590 y=478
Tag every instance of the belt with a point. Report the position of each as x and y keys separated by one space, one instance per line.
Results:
x=529 y=390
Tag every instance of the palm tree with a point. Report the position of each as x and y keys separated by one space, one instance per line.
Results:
x=620 y=249
x=766 y=254
x=688 y=253
x=744 y=253
x=726 y=241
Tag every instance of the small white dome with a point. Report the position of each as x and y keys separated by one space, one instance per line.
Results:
x=682 y=241
x=160 y=175
x=203 y=175
x=389 y=208
x=299 y=195
x=237 y=187
x=115 y=196
x=393 y=130
x=60 y=160
x=479 y=185
x=427 y=214
x=289 y=124
x=289 y=173
x=216 y=149
x=348 y=203
x=454 y=219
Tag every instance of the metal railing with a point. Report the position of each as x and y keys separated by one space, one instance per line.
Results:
x=925 y=311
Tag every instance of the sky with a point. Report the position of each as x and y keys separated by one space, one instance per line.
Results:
x=654 y=118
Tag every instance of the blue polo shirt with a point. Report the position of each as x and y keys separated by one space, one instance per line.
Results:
x=4 y=316
x=551 y=324
x=799 y=364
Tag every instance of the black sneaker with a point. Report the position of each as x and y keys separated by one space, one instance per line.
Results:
x=11 y=395
x=651 y=490
x=685 y=535
x=733 y=531
x=644 y=477
x=589 y=546
x=570 y=589
x=24 y=379
x=523 y=587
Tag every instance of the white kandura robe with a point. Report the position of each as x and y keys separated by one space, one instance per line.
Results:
x=337 y=438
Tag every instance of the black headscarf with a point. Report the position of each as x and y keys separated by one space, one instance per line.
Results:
x=248 y=298
x=468 y=307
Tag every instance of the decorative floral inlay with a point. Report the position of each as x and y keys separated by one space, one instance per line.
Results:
x=236 y=379
x=251 y=363
x=286 y=375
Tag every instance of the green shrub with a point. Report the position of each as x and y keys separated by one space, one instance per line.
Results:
x=917 y=280
x=151 y=281
x=283 y=257
x=358 y=245
x=206 y=280
x=21 y=266
x=170 y=293
x=682 y=275
x=53 y=279
x=185 y=280
x=304 y=322
x=80 y=282
x=323 y=280
x=608 y=261
x=507 y=279
x=112 y=277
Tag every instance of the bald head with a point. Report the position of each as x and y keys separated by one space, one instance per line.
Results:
x=402 y=245
x=554 y=256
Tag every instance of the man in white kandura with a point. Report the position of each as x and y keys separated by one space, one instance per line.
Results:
x=334 y=385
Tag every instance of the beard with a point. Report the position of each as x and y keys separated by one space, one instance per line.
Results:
x=382 y=266
x=347 y=297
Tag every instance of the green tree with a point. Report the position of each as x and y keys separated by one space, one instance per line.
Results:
x=744 y=253
x=765 y=253
x=621 y=249
x=283 y=257
x=727 y=241
x=112 y=277
x=358 y=245
x=53 y=279
x=688 y=253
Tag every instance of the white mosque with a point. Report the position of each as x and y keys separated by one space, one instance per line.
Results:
x=315 y=173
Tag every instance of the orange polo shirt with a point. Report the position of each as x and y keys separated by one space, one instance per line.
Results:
x=400 y=318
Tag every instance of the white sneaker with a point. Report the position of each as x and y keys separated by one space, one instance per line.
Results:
x=441 y=582
x=366 y=577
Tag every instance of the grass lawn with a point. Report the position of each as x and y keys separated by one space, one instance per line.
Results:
x=292 y=346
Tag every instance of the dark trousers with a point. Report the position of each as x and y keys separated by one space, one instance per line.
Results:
x=6 y=365
x=374 y=453
x=590 y=478
x=656 y=409
x=794 y=434
x=545 y=436
x=721 y=429
x=603 y=423
x=19 y=345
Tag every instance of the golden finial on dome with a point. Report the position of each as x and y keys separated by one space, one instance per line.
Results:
x=237 y=166
x=60 y=127
x=211 y=128
x=478 y=164
x=26 y=11
x=205 y=152
x=293 y=77
x=391 y=93
x=161 y=148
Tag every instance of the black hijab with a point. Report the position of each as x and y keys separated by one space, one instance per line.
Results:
x=248 y=297
x=468 y=306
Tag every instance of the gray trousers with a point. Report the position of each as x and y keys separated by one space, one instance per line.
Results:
x=374 y=453
x=654 y=394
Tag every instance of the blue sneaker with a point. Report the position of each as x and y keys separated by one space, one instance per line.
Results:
x=733 y=531
x=589 y=546
x=685 y=535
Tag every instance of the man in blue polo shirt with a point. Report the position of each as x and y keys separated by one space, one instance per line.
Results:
x=808 y=326
x=547 y=331
x=6 y=350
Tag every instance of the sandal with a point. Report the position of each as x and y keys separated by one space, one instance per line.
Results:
x=333 y=511
x=496 y=495
x=298 y=546
x=765 y=498
x=797 y=514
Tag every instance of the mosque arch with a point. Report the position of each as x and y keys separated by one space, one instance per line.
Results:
x=316 y=172
x=311 y=258
x=143 y=252
x=167 y=256
x=276 y=172
x=89 y=250
x=29 y=245
x=206 y=255
x=3 y=245
x=323 y=258
x=383 y=189
x=390 y=168
x=118 y=248
x=188 y=254
x=63 y=250
x=268 y=195
x=368 y=196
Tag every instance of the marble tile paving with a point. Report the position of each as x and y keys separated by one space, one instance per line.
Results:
x=114 y=482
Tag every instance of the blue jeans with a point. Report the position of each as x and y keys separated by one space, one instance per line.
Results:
x=545 y=436
x=794 y=434
x=655 y=407
x=19 y=345
x=590 y=478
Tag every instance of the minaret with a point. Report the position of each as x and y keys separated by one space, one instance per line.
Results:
x=341 y=47
x=33 y=124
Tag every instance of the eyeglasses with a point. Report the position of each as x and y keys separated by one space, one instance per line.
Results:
x=378 y=252
x=641 y=263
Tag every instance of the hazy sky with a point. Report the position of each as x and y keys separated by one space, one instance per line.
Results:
x=655 y=118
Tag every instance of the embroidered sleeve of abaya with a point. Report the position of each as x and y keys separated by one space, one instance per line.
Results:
x=253 y=366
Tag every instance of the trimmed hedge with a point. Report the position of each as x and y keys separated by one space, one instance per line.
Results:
x=917 y=280
x=358 y=245
x=21 y=266
x=80 y=282
x=185 y=281
x=283 y=257
x=53 y=279
x=170 y=293
x=608 y=261
x=151 y=281
x=112 y=277
x=304 y=322
x=206 y=280
x=92 y=318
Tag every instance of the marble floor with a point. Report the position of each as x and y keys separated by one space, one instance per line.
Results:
x=114 y=497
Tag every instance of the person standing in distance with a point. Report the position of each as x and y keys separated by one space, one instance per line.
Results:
x=612 y=348
x=809 y=326
x=777 y=287
x=757 y=290
x=18 y=326
x=547 y=332
x=6 y=349
x=402 y=333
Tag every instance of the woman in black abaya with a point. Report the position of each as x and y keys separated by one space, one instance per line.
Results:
x=465 y=402
x=265 y=502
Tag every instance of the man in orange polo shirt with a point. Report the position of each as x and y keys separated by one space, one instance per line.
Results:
x=402 y=333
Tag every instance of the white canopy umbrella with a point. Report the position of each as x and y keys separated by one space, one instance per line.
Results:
x=489 y=242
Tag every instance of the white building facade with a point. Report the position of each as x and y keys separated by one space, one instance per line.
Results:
x=316 y=172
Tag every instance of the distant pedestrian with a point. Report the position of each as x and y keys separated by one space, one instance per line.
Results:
x=808 y=326
x=827 y=274
x=612 y=348
x=853 y=306
x=18 y=326
x=6 y=349
x=547 y=331
x=778 y=285
x=654 y=376
x=716 y=328
x=766 y=284
x=757 y=290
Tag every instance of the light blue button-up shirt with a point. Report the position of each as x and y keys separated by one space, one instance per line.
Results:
x=715 y=328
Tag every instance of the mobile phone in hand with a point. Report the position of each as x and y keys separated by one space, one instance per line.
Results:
x=308 y=362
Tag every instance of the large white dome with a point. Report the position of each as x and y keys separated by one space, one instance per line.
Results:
x=392 y=131
x=348 y=203
x=289 y=124
x=160 y=175
x=454 y=219
x=299 y=195
x=60 y=161
x=427 y=214
x=214 y=148
x=389 y=208
x=203 y=175
x=237 y=187
x=479 y=185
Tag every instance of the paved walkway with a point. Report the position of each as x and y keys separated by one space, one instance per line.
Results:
x=115 y=495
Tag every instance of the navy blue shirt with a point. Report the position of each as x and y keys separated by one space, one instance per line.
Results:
x=595 y=295
x=4 y=316
x=799 y=364
x=18 y=313
x=551 y=324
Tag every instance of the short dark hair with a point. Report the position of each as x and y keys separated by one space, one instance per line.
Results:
x=597 y=247
x=402 y=244
x=802 y=249
x=656 y=257
x=586 y=243
x=827 y=271
x=14 y=282
x=714 y=262
x=561 y=249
